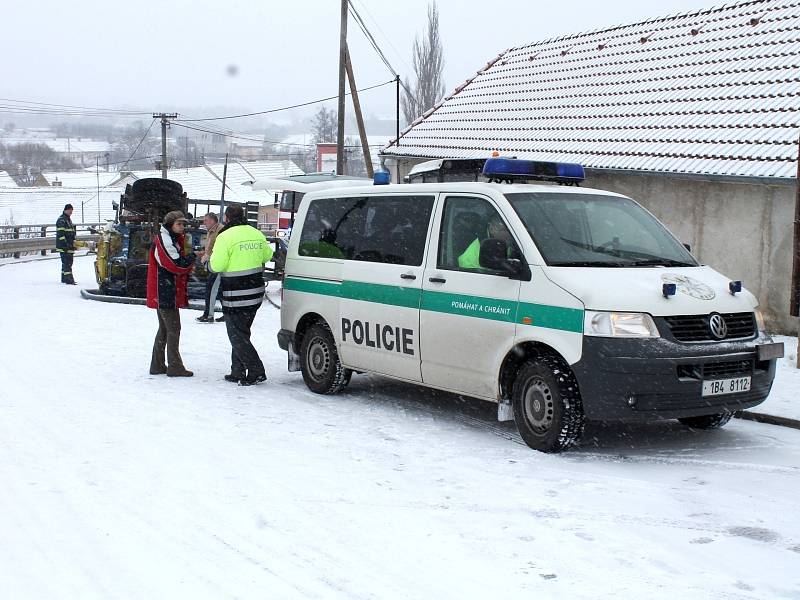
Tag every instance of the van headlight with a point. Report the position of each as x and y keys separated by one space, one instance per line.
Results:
x=762 y=327
x=619 y=324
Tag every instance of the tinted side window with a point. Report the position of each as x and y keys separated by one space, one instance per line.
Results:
x=378 y=229
x=466 y=223
x=333 y=227
x=396 y=229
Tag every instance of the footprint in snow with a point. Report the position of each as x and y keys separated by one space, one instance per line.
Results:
x=702 y=540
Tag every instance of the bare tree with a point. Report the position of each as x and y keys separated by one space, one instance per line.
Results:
x=29 y=160
x=324 y=126
x=428 y=70
x=131 y=145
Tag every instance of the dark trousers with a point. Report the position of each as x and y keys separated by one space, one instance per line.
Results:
x=168 y=338
x=210 y=302
x=66 y=267
x=244 y=358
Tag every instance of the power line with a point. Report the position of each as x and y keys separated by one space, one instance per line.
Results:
x=370 y=38
x=274 y=110
x=388 y=39
x=90 y=108
x=374 y=44
x=57 y=113
x=261 y=140
x=135 y=150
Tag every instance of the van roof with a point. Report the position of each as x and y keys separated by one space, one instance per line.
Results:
x=458 y=186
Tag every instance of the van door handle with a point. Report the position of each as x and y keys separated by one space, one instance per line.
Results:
x=407 y=276
x=437 y=279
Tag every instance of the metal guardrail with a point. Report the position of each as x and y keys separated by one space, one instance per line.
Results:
x=22 y=239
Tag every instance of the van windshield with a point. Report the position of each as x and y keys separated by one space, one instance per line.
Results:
x=587 y=230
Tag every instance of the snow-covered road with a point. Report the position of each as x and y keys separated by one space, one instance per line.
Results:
x=118 y=484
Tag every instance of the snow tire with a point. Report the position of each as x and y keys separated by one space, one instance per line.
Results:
x=319 y=361
x=547 y=404
x=707 y=421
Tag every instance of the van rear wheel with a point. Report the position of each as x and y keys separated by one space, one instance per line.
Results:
x=547 y=405
x=319 y=361
x=707 y=421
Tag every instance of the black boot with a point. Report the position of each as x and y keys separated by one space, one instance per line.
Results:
x=253 y=379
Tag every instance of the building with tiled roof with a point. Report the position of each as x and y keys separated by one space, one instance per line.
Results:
x=713 y=92
x=695 y=115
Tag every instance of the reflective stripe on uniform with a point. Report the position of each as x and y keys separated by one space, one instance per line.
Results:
x=248 y=292
x=243 y=273
x=238 y=303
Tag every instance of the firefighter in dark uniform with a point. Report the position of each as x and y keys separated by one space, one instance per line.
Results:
x=65 y=244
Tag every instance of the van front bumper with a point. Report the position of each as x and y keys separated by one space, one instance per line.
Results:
x=654 y=379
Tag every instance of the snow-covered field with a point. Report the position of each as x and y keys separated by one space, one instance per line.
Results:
x=118 y=484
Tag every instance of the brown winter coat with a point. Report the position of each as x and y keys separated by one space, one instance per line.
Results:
x=211 y=237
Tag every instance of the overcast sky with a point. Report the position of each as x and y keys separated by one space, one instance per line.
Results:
x=178 y=53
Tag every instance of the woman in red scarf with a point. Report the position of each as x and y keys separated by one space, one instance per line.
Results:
x=167 y=277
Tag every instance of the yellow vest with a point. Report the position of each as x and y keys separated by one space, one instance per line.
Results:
x=240 y=248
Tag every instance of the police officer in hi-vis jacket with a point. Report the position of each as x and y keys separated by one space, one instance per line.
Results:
x=239 y=254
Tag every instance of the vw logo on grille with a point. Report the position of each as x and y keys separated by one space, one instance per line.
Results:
x=718 y=327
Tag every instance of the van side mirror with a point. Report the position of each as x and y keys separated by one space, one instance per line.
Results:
x=688 y=247
x=494 y=256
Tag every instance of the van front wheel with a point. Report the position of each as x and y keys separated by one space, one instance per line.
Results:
x=319 y=361
x=547 y=405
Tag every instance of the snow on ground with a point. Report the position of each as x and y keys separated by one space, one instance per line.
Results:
x=784 y=400
x=118 y=484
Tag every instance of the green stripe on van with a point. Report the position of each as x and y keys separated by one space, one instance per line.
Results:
x=312 y=286
x=541 y=315
x=552 y=317
x=382 y=294
x=393 y=295
x=470 y=306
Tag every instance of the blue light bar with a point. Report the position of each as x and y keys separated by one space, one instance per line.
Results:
x=382 y=178
x=669 y=289
x=735 y=287
x=508 y=169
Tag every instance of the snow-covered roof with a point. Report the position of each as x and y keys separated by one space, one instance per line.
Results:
x=63 y=145
x=205 y=183
x=80 y=179
x=6 y=181
x=42 y=205
x=716 y=91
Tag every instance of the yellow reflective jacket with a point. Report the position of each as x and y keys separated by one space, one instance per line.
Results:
x=239 y=248
x=239 y=254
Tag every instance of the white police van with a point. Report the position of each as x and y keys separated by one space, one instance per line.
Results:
x=559 y=303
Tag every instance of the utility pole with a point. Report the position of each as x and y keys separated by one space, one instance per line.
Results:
x=97 y=170
x=397 y=109
x=224 y=183
x=342 y=69
x=164 y=121
x=794 y=300
x=362 y=132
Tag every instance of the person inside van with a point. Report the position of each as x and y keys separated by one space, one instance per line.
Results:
x=470 y=258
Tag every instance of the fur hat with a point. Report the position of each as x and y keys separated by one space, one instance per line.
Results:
x=171 y=217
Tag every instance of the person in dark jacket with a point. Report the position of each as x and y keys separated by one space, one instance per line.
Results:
x=65 y=244
x=167 y=277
